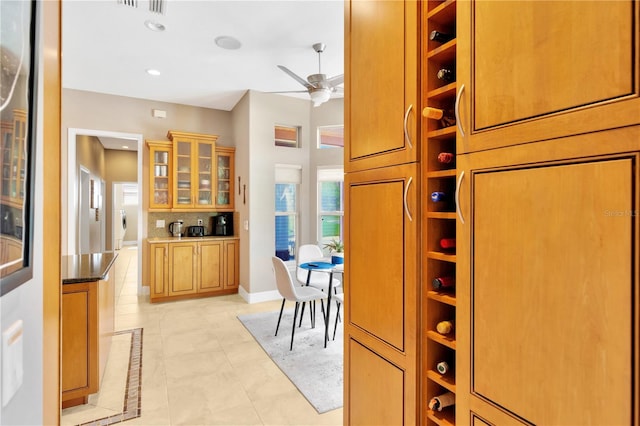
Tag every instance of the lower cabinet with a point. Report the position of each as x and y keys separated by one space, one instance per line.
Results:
x=87 y=328
x=188 y=268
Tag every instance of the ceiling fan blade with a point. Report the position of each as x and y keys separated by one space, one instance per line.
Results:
x=338 y=89
x=290 y=91
x=295 y=76
x=336 y=81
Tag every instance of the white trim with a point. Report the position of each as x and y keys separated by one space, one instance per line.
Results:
x=263 y=296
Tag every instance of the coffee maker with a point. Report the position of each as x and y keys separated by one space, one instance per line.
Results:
x=222 y=225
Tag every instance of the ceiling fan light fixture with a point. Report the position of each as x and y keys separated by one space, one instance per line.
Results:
x=320 y=96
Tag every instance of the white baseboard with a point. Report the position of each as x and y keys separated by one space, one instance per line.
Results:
x=263 y=296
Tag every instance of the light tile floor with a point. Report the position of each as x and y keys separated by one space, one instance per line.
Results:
x=200 y=366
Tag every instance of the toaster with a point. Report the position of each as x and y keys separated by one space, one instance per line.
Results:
x=195 y=231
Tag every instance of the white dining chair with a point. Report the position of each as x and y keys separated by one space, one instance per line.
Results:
x=293 y=293
x=309 y=253
x=339 y=298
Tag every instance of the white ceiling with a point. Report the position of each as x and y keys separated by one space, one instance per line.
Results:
x=107 y=49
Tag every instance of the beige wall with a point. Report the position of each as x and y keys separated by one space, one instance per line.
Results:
x=120 y=166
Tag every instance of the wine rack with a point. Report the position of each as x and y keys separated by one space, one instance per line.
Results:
x=438 y=67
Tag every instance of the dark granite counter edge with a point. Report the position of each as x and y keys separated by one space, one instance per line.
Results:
x=86 y=267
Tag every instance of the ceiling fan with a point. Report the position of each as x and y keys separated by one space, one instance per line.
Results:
x=318 y=85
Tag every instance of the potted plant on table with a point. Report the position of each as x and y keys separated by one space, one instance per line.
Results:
x=336 y=249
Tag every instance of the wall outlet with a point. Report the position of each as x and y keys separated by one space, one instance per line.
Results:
x=160 y=223
x=200 y=222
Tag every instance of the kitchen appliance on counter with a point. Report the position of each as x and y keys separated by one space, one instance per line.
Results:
x=195 y=231
x=176 y=228
x=222 y=224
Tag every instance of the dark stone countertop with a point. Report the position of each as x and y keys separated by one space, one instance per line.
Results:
x=81 y=268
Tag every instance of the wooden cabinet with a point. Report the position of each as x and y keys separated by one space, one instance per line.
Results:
x=225 y=178
x=87 y=326
x=381 y=83
x=231 y=264
x=541 y=70
x=547 y=282
x=13 y=160
x=184 y=268
x=190 y=173
x=210 y=266
x=194 y=167
x=438 y=260
x=381 y=315
x=160 y=175
x=158 y=269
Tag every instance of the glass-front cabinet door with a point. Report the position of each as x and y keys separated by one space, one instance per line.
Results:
x=193 y=155
x=160 y=174
x=183 y=184
x=205 y=173
x=225 y=183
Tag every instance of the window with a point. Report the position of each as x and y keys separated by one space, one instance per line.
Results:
x=288 y=179
x=287 y=136
x=330 y=204
x=129 y=194
x=331 y=137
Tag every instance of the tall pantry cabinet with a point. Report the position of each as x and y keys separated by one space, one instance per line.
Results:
x=382 y=154
x=547 y=277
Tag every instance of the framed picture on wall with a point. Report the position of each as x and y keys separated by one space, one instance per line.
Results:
x=18 y=110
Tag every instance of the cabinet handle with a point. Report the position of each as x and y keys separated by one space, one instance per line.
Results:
x=406 y=207
x=458 y=197
x=406 y=131
x=457 y=110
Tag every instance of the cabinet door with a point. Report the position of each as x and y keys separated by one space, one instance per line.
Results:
x=381 y=83
x=184 y=182
x=79 y=360
x=381 y=290
x=547 y=282
x=158 y=270
x=540 y=70
x=225 y=178
x=160 y=172
x=183 y=260
x=210 y=266
x=231 y=263
x=204 y=166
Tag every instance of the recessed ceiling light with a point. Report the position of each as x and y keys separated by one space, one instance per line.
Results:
x=153 y=25
x=125 y=147
x=228 y=42
x=153 y=72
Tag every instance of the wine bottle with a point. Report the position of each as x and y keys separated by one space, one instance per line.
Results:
x=437 y=196
x=437 y=403
x=447 y=117
x=442 y=367
x=443 y=282
x=441 y=37
x=446 y=75
x=446 y=157
x=444 y=327
x=448 y=243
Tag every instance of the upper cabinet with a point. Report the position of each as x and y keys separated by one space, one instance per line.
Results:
x=532 y=71
x=381 y=84
x=224 y=184
x=193 y=160
x=190 y=173
x=13 y=159
x=160 y=155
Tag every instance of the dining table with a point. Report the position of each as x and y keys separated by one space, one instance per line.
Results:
x=322 y=266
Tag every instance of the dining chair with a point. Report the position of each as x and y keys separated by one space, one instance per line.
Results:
x=293 y=293
x=309 y=253
x=339 y=298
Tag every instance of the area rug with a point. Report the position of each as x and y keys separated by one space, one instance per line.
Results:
x=315 y=370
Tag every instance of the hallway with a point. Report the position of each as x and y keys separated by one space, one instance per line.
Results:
x=200 y=366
